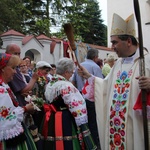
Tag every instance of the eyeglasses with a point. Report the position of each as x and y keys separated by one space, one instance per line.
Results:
x=22 y=66
x=15 y=53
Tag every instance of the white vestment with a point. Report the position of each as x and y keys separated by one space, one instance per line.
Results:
x=120 y=127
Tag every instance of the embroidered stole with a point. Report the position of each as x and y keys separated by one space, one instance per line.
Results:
x=119 y=109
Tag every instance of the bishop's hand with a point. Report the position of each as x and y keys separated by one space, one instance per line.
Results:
x=144 y=83
x=83 y=72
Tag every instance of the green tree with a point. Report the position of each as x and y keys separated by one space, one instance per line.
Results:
x=96 y=32
x=36 y=17
x=10 y=16
x=26 y=16
x=85 y=17
x=88 y=23
x=35 y=21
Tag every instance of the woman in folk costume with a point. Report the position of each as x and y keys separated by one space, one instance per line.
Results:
x=13 y=133
x=116 y=97
x=65 y=122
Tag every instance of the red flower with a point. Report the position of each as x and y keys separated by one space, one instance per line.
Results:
x=69 y=89
x=122 y=132
x=4 y=113
x=80 y=102
x=64 y=92
x=39 y=73
x=112 y=147
x=53 y=79
x=2 y=90
x=112 y=131
x=112 y=114
x=74 y=114
x=74 y=103
x=122 y=147
x=83 y=111
x=117 y=139
x=121 y=114
x=117 y=121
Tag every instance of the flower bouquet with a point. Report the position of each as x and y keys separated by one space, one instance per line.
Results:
x=36 y=101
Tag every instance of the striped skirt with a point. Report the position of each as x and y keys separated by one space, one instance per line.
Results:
x=61 y=133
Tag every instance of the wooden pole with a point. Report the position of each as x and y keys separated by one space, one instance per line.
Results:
x=142 y=73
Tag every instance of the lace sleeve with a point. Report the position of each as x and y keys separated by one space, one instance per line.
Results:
x=76 y=104
x=10 y=117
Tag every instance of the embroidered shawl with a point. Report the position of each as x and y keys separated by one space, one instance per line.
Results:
x=10 y=116
x=71 y=96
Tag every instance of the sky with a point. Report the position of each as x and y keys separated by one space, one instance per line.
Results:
x=103 y=7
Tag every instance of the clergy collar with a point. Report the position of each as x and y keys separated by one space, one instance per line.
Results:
x=131 y=58
x=132 y=54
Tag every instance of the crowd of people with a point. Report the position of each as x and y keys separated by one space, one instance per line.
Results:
x=61 y=120
x=93 y=106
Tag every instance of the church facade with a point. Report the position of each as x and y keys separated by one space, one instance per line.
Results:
x=48 y=49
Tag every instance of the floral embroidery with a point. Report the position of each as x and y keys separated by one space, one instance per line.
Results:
x=6 y=114
x=75 y=103
x=79 y=112
x=2 y=90
x=68 y=90
x=56 y=78
x=73 y=99
x=4 y=59
x=10 y=116
x=118 y=111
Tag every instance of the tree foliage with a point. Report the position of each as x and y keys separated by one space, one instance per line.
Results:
x=37 y=16
x=85 y=17
x=96 y=31
x=10 y=16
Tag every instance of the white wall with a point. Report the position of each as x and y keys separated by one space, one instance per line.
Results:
x=41 y=49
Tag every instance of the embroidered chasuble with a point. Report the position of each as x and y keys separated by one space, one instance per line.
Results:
x=120 y=127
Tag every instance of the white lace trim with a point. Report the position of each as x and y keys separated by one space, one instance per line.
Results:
x=139 y=112
x=11 y=133
x=15 y=128
x=81 y=120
